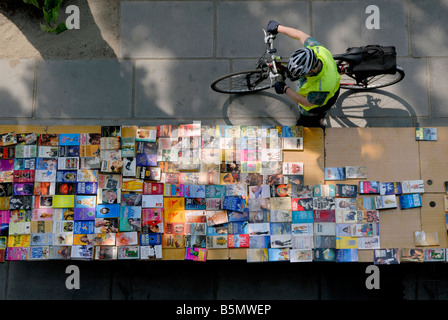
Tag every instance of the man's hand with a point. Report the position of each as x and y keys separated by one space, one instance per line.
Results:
x=280 y=87
x=272 y=27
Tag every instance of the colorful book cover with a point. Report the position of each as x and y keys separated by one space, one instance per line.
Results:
x=434 y=255
x=153 y=188
x=69 y=139
x=369 y=187
x=147 y=160
x=386 y=256
x=300 y=255
x=16 y=254
x=108 y=210
x=325 y=254
x=126 y=238
x=150 y=239
x=425 y=134
x=84 y=213
x=84 y=227
x=408 y=201
x=63 y=201
x=106 y=253
x=151 y=252
x=234 y=204
x=82 y=252
x=390 y=188
x=39 y=253
x=347 y=255
x=130 y=218
x=129 y=252
x=152 y=201
x=386 y=202
x=196 y=254
x=324 y=190
x=324 y=216
x=346 y=190
x=334 y=173
x=412 y=255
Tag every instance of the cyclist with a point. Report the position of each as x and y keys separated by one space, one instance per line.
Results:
x=314 y=67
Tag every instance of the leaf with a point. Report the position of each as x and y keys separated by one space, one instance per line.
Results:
x=47 y=16
x=33 y=2
x=54 y=14
x=47 y=28
x=61 y=28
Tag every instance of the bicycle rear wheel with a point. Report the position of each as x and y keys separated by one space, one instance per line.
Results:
x=242 y=82
x=349 y=81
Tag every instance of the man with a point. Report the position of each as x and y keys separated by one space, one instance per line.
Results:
x=314 y=67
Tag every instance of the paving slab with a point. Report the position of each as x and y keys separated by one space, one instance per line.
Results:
x=428 y=28
x=239 y=26
x=438 y=70
x=16 y=88
x=178 y=89
x=342 y=24
x=166 y=29
x=86 y=89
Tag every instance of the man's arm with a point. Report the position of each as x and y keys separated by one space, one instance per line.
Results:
x=297 y=97
x=293 y=33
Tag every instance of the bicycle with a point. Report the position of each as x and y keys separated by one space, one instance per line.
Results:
x=270 y=66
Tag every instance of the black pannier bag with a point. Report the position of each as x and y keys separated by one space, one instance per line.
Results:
x=375 y=60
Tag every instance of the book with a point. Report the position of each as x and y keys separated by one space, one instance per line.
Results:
x=278 y=254
x=129 y=252
x=106 y=253
x=237 y=240
x=334 y=173
x=408 y=201
x=412 y=186
x=425 y=238
x=196 y=254
x=292 y=168
x=386 y=256
x=390 y=188
x=434 y=255
x=325 y=254
x=356 y=172
x=324 y=215
x=386 y=202
x=324 y=190
x=257 y=255
x=151 y=252
x=81 y=252
x=369 y=187
x=425 y=134
x=347 y=255
x=300 y=255
x=411 y=255
x=346 y=190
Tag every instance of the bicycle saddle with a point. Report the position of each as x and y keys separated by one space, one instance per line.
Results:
x=353 y=55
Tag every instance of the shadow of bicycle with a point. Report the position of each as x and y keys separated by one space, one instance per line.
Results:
x=372 y=108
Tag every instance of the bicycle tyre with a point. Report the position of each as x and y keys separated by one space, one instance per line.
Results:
x=348 y=79
x=247 y=81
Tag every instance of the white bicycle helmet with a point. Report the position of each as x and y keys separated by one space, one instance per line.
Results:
x=301 y=62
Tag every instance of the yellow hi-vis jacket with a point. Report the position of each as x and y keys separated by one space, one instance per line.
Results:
x=326 y=81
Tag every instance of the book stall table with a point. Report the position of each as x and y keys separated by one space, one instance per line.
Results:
x=396 y=155
x=154 y=228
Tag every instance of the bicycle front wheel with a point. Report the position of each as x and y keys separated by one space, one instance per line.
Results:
x=349 y=80
x=242 y=82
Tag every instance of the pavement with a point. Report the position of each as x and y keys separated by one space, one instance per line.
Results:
x=169 y=53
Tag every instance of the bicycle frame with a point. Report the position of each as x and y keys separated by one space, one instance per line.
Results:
x=275 y=71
